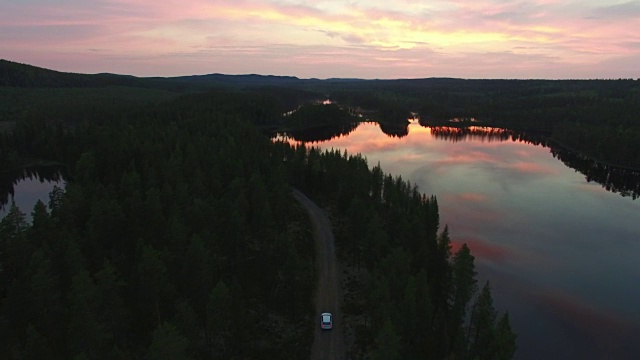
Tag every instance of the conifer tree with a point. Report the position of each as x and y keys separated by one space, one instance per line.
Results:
x=463 y=288
x=482 y=327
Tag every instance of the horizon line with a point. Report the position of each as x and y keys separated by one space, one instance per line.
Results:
x=323 y=79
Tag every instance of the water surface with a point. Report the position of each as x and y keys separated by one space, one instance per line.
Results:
x=27 y=186
x=561 y=252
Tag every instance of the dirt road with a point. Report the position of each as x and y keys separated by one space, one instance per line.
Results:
x=326 y=344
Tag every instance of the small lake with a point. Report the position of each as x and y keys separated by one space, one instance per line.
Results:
x=27 y=186
x=561 y=252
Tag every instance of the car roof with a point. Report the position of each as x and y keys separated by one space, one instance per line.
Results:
x=323 y=314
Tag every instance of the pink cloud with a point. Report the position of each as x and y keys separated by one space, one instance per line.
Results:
x=539 y=39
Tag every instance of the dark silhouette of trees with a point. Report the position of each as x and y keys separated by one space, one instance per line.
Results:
x=489 y=338
x=410 y=294
x=159 y=207
x=176 y=235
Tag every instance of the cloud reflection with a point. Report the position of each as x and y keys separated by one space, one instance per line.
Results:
x=532 y=168
x=608 y=335
x=471 y=197
x=482 y=250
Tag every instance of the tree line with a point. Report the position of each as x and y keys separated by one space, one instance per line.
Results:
x=598 y=118
x=595 y=117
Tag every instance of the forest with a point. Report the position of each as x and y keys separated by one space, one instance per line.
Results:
x=598 y=118
x=177 y=237
x=162 y=245
x=165 y=244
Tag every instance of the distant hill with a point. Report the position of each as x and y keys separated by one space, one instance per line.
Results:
x=22 y=75
x=15 y=74
x=241 y=80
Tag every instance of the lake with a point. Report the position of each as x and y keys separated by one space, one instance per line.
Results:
x=561 y=252
x=27 y=186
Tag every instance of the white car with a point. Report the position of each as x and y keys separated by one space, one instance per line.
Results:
x=326 y=321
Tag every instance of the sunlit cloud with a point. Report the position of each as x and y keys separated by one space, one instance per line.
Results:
x=376 y=39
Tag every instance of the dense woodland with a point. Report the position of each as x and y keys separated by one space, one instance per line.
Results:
x=176 y=236
x=165 y=244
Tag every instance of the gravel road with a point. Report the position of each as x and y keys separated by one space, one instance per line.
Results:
x=326 y=344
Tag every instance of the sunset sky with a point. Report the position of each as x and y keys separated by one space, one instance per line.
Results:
x=551 y=39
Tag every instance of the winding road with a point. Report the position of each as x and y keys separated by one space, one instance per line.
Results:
x=326 y=344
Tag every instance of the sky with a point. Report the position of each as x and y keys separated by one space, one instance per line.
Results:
x=542 y=39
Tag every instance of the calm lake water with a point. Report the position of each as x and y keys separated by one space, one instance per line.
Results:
x=561 y=253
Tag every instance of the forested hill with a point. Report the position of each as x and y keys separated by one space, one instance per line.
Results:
x=240 y=80
x=177 y=237
x=21 y=75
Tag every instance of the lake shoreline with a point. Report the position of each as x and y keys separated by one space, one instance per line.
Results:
x=595 y=159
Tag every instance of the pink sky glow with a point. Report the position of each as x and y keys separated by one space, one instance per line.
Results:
x=550 y=39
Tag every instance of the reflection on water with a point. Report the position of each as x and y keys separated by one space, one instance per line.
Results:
x=455 y=134
x=625 y=182
x=622 y=181
x=618 y=180
x=317 y=134
x=395 y=130
x=560 y=251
